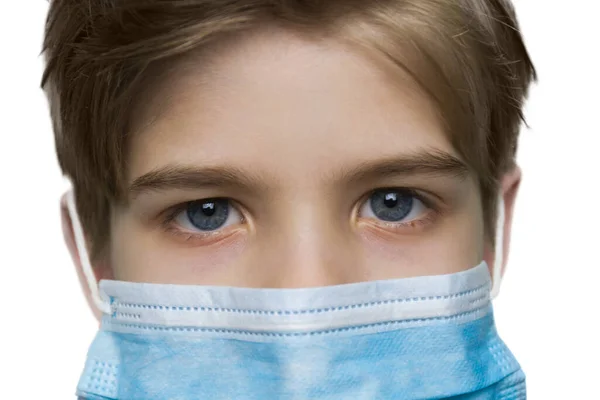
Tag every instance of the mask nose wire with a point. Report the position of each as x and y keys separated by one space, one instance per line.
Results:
x=84 y=257
x=499 y=250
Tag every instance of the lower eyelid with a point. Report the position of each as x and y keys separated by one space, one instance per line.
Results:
x=204 y=239
x=418 y=221
x=400 y=227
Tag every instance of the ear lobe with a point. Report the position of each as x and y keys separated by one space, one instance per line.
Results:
x=102 y=272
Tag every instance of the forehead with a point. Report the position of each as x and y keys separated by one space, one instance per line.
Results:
x=281 y=103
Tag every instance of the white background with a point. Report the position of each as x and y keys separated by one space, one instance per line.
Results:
x=547 y=311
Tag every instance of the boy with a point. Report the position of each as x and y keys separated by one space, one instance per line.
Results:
x=290 y=199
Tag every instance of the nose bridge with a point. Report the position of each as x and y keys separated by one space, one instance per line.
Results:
x=312 y=247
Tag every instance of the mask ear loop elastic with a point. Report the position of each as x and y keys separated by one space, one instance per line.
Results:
x=499 y=250
x=105 y=307
x=84 y=257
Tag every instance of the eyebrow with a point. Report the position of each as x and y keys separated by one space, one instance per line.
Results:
x=191 y=177
x=184 y=177
x=435 y=162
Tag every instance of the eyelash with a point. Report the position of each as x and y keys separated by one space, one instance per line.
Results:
x=169 y=216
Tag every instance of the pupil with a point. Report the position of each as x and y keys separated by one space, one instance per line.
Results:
x=391 y=200
x=208 y=209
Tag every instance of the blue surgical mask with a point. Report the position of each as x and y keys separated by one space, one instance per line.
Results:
x=429 y=337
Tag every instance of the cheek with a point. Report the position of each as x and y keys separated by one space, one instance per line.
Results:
x=139 y=255
x=452 y=246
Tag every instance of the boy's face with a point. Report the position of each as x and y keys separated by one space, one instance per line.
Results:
x=336 y=171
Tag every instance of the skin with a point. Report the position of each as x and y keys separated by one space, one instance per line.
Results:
x=298 y=117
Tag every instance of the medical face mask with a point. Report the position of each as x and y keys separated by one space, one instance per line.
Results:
x=430 y=337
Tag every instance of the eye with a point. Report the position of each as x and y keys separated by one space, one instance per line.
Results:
x=207 y=215
x=394 y=205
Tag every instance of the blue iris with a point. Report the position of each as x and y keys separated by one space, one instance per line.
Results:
x=208 y=215
x=390 y=205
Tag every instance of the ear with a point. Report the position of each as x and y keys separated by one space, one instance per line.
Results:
x=101 y=268
x=509 y=186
